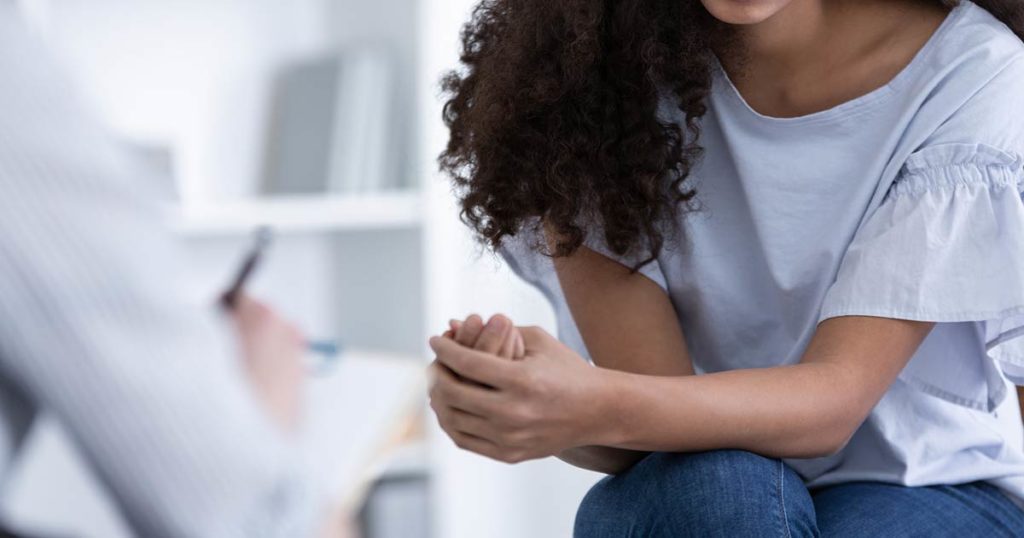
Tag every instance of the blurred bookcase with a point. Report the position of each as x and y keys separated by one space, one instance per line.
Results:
x=399 y=210
x=204 y=87
x=303 y=115
x=332 y=149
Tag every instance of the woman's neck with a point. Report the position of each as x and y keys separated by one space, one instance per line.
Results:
x=789 y=37
x=815 y=54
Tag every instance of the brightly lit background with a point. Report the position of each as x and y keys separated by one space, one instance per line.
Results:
x=380 y=263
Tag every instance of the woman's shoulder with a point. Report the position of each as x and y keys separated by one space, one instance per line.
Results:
x=976 y=39
x=977 y=79
x=989 y=113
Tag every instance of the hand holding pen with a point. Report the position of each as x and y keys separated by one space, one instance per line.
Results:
x=273 y=356
x=231 y=298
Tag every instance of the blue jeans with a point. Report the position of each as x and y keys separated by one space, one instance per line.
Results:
x=738 y=494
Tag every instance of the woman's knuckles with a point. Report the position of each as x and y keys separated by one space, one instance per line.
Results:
x=460 y=423
x=517 y=439
x=517 y=416
x=516 y=456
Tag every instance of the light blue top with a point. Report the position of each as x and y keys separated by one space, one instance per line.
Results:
x=903 y=203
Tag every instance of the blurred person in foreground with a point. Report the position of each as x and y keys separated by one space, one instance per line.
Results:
x=189 y=440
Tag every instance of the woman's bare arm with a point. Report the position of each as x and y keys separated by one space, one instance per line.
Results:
x=628 y=323
x=641 y=399
x=810 y=409
x=549 y=402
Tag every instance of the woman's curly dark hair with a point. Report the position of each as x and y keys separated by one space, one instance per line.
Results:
x=557 y=117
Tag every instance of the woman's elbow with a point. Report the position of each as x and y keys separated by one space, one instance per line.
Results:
x=833 y=438
x=824 y=439
x=605 y=460
x=831 y=445
x=832 y=426
x=820 y=446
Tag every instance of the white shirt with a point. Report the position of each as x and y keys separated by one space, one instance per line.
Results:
x=93 y=331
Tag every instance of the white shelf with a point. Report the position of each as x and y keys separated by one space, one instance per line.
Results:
x=303 y=214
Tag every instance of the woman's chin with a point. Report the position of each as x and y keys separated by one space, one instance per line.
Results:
x=744 y=12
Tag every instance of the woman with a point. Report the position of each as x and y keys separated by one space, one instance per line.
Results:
x=814 y=204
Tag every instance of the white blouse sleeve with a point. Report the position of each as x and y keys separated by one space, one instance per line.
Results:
x=946 y=245
x=537 y=269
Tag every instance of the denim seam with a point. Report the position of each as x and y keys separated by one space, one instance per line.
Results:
x=782 y=500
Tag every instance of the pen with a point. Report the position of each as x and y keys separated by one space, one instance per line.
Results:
x=229 y=300
x=261 y=241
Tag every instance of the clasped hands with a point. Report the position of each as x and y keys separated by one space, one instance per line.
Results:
x=513 y=393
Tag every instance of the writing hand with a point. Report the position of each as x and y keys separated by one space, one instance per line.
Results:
x=272 y=352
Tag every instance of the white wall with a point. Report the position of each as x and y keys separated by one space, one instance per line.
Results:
x=196 y=74
x=193 y=74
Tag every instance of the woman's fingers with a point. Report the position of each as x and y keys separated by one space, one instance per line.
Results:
x=469 y=431
x=460 y=421
x=508 y=347
x=466 y=369
x=448 y=391
x=493 y=335
x=479 y=445
x=536 y=338
x=513 y=348
x=453 y=329
x=484 y=368
x=520 y=346
x=469 y=331
x=497 y=336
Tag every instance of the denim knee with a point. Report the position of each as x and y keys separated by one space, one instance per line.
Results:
x=717 y=493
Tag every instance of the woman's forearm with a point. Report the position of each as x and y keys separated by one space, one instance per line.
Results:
x=551 y=401
x=793 y=411
x=602 y=459
x=805 y=410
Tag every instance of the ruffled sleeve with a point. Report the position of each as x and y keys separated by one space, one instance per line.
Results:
x=947 y=245
x=538 y=270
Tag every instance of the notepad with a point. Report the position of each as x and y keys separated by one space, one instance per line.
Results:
x=352 y=414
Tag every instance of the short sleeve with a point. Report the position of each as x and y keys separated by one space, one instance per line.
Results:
x=946 y=245
x=521 y=254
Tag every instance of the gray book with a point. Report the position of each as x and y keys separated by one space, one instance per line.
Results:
x=362 y=137
x=329 y=131
x=299 y=141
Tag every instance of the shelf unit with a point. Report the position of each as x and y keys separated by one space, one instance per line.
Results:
x=342 y=266
x=402 y=210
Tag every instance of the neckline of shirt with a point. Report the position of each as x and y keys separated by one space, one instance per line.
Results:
x=857 y=104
